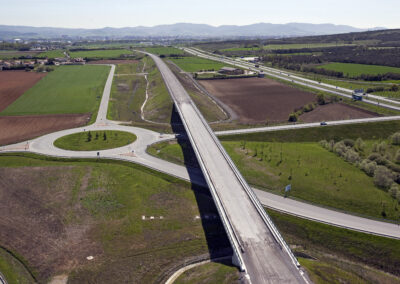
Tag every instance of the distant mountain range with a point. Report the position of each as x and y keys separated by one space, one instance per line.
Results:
x=181 y=30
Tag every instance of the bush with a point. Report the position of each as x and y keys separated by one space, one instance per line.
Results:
x=394 y=188
x=293 y=117
x=321 y=99
x=351 y=156
x=340 y=148
x=359 y=145
x=383 y=177
x=395 y=139
x=368 y=167
x=382 y=148
x=349 y=142
x=397 y=157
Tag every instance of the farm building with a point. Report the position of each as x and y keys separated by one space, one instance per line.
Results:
x=231 y=71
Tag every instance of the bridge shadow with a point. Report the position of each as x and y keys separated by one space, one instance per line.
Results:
x=217 y=240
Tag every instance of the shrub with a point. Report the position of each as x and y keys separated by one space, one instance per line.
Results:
x=348 y=142
x=351 y=156
x=394 y=188
x=397 y=157
x=368 y=167
x=382 y=148
x=395 y=139
x=383 y=177
x=321 y=99
x=340 y=148
x=293 y=117
x=359 y=145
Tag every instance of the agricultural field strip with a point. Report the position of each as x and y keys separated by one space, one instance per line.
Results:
x=252 y=234
x=296 y=79
x=44 y=145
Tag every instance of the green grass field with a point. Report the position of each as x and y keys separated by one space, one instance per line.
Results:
x=196 y=64
x=109 y=198
x=212 y=272
x=336 y=255
x=52 y=54
x=101 y=54
x=95 y=140
x=354 y=70
x=164 y=50
x=316 y=175
x=68 y=89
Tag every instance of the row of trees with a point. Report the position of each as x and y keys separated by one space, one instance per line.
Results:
x=379 y=164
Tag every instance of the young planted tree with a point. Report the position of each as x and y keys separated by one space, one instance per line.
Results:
x=89 y=136
x=104 y=136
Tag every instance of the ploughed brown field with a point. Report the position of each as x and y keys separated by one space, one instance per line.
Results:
x=257 y=100
x=14 y=84
x=20 y=128
x=336 y=111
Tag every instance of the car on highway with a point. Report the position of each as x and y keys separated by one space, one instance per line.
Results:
x=323 y=123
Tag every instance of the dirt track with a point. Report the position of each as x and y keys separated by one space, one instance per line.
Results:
x=15 y=83
x=258 y=100
x=19 y=128
x=335 y=112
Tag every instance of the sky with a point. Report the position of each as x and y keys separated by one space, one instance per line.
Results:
x=130 y=13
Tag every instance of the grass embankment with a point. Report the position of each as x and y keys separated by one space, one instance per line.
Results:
x=354 y=70
x=95 y=140
x=13 y=270
x=102 y=54
x=128 y=94
x=210 y=273
x=109 y=198
x=196 y=64
x=372 y=130
x=159 y=105
x=164 y=50
x=316 y=174
x=210 y=110
x=335 y=255
x=68 y=89
x=129 y=68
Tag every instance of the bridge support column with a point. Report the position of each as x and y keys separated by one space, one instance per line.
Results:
x=236 y=262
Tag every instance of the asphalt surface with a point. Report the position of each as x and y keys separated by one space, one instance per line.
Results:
x=286 y=76
x=136 y=152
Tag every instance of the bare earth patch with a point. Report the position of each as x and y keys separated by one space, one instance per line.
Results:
x=14 y=84
x=20 y=128
x=258 y=100
x=336 y=111
x=34 y=225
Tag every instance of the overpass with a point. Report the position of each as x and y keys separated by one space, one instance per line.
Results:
x=259 y=249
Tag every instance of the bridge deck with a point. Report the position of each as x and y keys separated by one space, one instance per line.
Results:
x=264 y=259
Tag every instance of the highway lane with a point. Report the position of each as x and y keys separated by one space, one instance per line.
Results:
x=266 y=257
x=292 y=78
